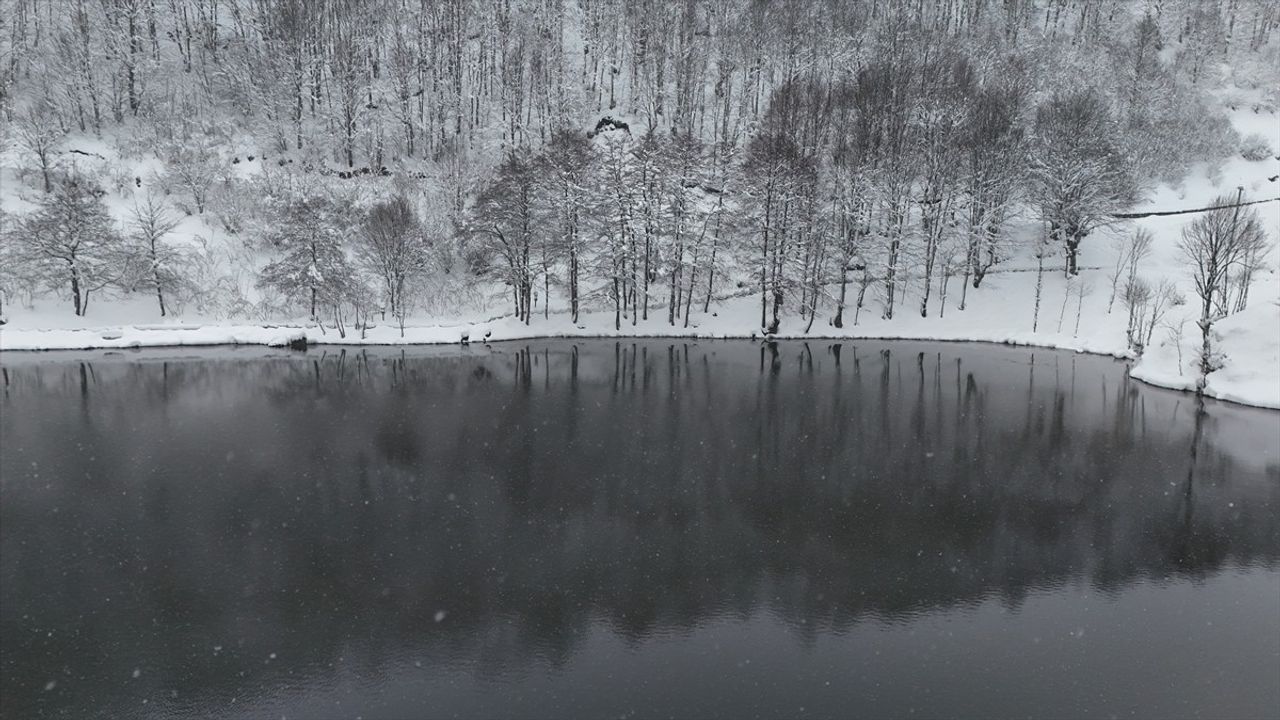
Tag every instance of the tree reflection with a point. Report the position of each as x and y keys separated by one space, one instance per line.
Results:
x=305 y=505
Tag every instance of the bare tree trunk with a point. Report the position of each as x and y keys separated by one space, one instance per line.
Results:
x=838 y=321
x=891 y=269
x=75 y=287
x=1206 y=353
x=1035 y=319
x=159 y=294
x=573 y=280
x=764 y=261
x=711 y=266
x=1073 y=253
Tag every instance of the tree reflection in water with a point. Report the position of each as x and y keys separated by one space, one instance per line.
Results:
x=309 y=504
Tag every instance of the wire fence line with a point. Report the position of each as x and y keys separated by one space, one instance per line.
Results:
x=1163 y=213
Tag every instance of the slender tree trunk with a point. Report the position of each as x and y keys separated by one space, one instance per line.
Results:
x=862 y=295
x=75 y=287
x=648 y=245
x=573 y=279
x=693 y=278
x=1035 y=319
x=838 y=321
x=764 y=261
x=155 y=275
x=891 y=271
x=160 y=295
x=617 y=305
x=1206 y=352
x=931 y=231
x=711 y=266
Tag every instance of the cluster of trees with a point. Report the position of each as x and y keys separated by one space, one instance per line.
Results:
x=72 y=243
x=823 y=155
x=368 y=81
x=338 y=259
x=898 y=172
x=608 y=219
x=345 y=262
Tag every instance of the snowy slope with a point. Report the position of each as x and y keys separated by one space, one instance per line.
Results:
x=1002 y=310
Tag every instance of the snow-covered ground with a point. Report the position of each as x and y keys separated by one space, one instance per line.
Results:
x=1002 y=310
x=1250 y=341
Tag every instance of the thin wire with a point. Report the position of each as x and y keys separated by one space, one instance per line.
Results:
x=1134 y=216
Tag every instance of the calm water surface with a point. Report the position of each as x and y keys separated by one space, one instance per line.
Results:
x=640 y=529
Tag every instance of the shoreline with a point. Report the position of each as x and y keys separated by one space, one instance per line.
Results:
x=302 y=336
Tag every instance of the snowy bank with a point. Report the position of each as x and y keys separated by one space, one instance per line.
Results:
x=1249 y=341
x=1249 y=344
x=140 y=336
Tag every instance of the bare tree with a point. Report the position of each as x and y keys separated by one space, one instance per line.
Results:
x=1068 y=289
x=14 y=276
x=394 y=248
x=995 y=143
x=615 y=211
x=1164 y=296
x=1212 y=246
x=1083 y=288
x=1174 y=333
x=71 y=241
x=1135 y=297
x=157 y=263
x=566 y=164
x=504 y=220
x=772 y=164
x=1043 y=249
x=349 y=54
x=939 y=125
x=1252 y=258
x=191 y=166
x=1078 y=173
x=40 y=134
x=1131 y=250
x=309 y=235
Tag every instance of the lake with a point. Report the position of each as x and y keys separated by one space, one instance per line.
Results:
x=631 y=529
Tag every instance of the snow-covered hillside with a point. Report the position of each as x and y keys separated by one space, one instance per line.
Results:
x=737 y=168
x=1002 y=310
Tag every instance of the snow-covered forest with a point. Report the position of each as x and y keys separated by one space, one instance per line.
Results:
x=805 y=165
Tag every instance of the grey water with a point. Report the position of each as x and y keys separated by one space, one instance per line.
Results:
x=631 y=529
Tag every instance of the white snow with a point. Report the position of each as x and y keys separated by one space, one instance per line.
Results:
x=1001 y=311
x=1250 y=344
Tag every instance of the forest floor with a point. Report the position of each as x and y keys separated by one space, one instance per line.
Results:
x=1002 y=310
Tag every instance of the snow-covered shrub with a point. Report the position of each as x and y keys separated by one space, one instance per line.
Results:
x=1175 y=129
x=1255 y=148
x=16 y=283
x=118 y=177
x=190 y=169
x=234 y=203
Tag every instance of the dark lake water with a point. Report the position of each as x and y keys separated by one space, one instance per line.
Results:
x=636 y=529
